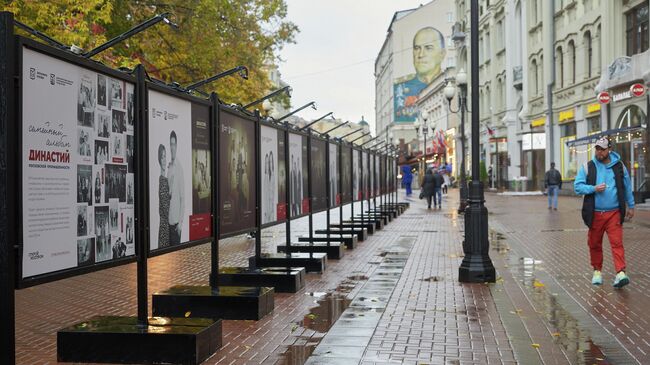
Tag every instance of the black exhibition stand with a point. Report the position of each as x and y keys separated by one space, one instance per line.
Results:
x=282 y=276
x=140 y=339
x=311 y=261
x=214 y=301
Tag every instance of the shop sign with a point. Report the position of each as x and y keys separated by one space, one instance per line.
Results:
x=593 y=108
x=567 y=115
x=622 y=95
x=527 y=142
x=539 y=122
x=604 y=97
x=637 y=90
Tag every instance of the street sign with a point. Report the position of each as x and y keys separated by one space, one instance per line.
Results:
x=604 y=97
x=637 y=90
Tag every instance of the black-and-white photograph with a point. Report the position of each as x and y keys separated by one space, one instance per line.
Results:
x=86 y=102
x=117 y=148
x=269 y=155
x=84 y=187
x=317 y=169
x=85 y=251
x=85 y=148
x=102 y=234
x=115 y=185
x=295 y=173
x=114 y=214
x=129 y=230
x=129 y=111
x=118 y=122
x=103 y=124
x=117 y=94
x=98 y=183
x=130 y=189
x=118 y=246
x=130 y=148
x=334 y=175
x=101 y=152
x=101 y=90
x=356 y=193
x=82 y=220
x=346 y=174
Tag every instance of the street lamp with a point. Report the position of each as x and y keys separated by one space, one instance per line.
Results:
x=425 y=129
x=477 y=266
x=450 y=92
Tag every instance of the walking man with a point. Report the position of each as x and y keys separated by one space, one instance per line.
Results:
x=552 y=183
x=605 y=183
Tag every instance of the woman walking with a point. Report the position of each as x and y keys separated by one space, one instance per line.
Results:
x=428 y=186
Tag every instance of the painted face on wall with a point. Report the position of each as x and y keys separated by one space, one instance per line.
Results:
x=428 y=53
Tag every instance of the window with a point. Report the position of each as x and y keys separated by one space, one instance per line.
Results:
x=559 y=68
x=450 y=17
x=593 y=125
x=588 y=52
x=535 y=80
x=488 y=52
x=637 y=29
x=572 y=55
x=568 y=155
x=533 y=12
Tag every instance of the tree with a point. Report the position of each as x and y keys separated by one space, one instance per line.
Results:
x=213 y=36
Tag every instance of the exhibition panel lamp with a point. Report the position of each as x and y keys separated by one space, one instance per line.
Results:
x=318 y=120
x=351 y=133
x=311 y=103
x=242 y=71
x=358 y=138
x=337 y=127
x=450 y=92
x=126 y=35
x=286 y=89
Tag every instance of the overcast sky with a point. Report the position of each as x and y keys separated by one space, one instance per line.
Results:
x=333 y=59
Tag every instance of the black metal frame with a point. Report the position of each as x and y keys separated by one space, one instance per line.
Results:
x=325 y=141
x=16 y=163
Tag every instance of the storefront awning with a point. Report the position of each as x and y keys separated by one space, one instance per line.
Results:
x=594 y=137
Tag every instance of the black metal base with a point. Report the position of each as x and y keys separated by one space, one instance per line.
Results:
x=361 y=233
x=390 y=213
x=476 y=266
x=383 y=217
x=368 y=226
x=314 y=262
x=283 y=280
x=350 y=241
x=226 y=302
x=399 y=209
x=107 y=339
x=378 y=222
x=334 y=251
x=476 y=269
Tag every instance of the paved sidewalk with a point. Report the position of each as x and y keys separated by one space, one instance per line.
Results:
x=542 y=310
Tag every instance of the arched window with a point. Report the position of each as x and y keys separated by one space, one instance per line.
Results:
x=572 y=57
x=598 y=51
x=559 y=68
x=586 y=42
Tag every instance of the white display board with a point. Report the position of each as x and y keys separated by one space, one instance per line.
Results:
x=334 y=185
x=269 y=173
x=77 y=166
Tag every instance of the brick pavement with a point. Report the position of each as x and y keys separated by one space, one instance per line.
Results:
x=541 y=310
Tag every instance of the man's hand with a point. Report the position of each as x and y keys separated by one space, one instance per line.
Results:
x=600 y=188
x=630 y=214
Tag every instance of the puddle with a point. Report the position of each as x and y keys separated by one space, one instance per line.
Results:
x=357 y=277
x=329 y=309
x=433 y=278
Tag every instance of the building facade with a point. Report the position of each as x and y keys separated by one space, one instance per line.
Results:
x=539 y=94
x=414 y=55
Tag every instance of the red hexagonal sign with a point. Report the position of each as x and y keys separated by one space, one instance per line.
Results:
x=637 y=90
x=604 y=97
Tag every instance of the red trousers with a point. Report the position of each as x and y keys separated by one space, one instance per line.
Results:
x=609 y=222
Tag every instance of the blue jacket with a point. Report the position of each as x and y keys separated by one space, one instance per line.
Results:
x=607 y=200
x=407 y=177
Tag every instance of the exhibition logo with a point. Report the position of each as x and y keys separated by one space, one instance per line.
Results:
x=35 y=255
x=32 y=73
x=52 y=78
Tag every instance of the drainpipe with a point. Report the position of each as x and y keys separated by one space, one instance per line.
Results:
x=549 y=87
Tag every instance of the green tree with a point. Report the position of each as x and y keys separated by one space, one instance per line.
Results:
x=213 y=36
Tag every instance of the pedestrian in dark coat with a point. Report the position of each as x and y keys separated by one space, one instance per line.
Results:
x=437 y=193
x=428 y=186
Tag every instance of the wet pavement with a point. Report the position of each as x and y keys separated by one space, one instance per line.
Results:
x=396 y=297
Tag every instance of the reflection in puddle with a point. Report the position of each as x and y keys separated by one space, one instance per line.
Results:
x=320 y=319
x=574 y=338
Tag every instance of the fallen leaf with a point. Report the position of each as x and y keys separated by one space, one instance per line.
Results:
x=535 y=345
x=556 y=334
x=311 y=316
x=187 y=314
x=538 y=284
